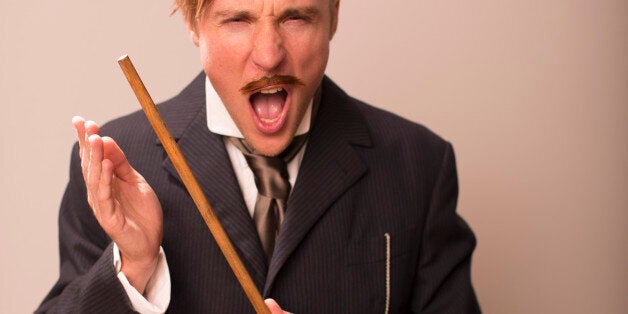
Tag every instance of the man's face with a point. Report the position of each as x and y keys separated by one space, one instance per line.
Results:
x=242 y=42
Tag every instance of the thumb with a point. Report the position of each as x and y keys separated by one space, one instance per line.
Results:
x=274 y=307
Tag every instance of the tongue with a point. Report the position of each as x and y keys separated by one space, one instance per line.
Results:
x=267 y=106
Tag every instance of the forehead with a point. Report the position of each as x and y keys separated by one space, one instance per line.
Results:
x=264 y=6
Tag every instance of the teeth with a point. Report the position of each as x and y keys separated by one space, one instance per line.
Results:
x=268 y=121
x=271 y=91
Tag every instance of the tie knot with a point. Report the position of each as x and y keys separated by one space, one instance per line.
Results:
x=271 y=173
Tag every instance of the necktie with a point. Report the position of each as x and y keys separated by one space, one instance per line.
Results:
x=273 y=188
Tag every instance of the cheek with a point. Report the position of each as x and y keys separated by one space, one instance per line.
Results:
x=223 y=71
x=313 y=60
x=211 y=56
x=311 y=52
x=223 y=53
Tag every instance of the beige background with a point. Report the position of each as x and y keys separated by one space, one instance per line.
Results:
x=533 y=95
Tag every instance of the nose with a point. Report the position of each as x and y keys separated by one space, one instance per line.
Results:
x=268 y=50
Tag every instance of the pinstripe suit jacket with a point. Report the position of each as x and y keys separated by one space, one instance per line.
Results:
x=370 y=224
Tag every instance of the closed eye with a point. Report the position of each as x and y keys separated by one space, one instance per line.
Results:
x=297 y=18
x=234 y=17
x=307 y=14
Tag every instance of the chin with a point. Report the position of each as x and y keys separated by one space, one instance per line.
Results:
x=269 y=146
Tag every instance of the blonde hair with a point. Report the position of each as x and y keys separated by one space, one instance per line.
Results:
x=191 y=9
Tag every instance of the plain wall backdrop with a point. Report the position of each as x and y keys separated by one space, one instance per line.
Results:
x=532 y=94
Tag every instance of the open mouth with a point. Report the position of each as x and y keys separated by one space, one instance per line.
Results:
x=269 y=107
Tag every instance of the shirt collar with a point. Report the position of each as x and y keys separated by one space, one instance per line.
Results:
x=219 y=121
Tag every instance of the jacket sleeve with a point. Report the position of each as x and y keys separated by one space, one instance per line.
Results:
x=444 y=281
x=87 y=282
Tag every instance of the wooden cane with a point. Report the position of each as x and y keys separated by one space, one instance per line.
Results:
x=192 y=185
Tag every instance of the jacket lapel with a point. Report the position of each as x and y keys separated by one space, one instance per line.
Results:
x=206 y=155
x=329 y=167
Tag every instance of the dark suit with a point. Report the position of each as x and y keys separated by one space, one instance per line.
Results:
x=365 y=173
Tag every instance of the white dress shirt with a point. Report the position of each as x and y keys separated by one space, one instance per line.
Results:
x=157 y=293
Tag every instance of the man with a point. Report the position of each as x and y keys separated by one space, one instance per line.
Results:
x=369 y=225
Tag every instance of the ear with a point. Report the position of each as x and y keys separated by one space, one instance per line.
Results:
x=191 y=27
x=334 y=17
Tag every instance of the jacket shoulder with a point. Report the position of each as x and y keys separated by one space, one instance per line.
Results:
x=382 y=127
x=387 y=128
x=418 y=149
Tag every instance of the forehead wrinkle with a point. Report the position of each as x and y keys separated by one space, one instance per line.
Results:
x=289 y=9
x=232 y=12
x=308 y=11
x=243 y=10
x=305 y=10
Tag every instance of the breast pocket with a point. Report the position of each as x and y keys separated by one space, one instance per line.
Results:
x=381 y=269
x=379 y=248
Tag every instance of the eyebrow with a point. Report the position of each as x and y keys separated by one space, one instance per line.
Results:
x=309 y=12
x=233 y=13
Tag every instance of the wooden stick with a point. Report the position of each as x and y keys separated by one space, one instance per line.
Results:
x=191 y=184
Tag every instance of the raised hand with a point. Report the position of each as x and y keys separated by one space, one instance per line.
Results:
x=124 y=204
